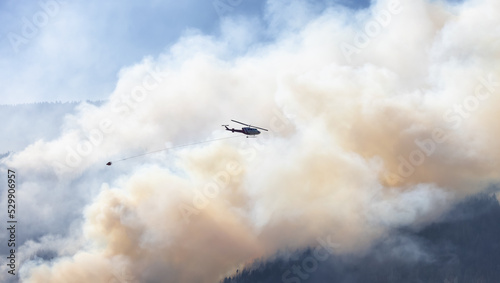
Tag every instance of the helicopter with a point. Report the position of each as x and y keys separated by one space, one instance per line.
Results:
x=249 y=130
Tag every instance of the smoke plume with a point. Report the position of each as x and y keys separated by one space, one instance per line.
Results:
x=377 y=118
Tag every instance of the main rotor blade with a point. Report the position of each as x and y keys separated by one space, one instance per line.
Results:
x=259 y=128
x=249 y=125
x=241 y=123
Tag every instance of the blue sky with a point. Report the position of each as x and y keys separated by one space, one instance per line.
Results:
x=77 y=50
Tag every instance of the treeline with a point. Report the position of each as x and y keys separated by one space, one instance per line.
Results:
x=464 y=246
x=54 y=103
x=24 y=124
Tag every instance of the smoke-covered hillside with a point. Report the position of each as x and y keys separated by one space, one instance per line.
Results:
x=463 y=247
x=380 y=121
x=24 y=124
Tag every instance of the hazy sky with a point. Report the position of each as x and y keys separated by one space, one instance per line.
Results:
x=73 y=50
x=380 y=117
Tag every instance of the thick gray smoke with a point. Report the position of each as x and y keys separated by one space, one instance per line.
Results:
x=378 y=118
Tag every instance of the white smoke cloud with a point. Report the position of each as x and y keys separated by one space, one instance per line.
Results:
x=389 y=135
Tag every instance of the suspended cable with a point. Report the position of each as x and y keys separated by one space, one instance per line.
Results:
x=169 y=148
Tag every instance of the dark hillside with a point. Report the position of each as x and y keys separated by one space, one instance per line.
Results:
x=463 y=247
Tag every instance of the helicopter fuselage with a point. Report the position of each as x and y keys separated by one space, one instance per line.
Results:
x=245 y=130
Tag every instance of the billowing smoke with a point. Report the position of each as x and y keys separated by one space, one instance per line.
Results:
x=378 y=119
